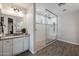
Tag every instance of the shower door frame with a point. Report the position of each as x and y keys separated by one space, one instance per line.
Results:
x=47 y=10
x=45 y=27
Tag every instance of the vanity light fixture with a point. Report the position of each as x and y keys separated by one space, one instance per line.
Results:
x=16 y=11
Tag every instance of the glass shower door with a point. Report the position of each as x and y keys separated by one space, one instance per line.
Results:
x=45 y=28
x=51 y=27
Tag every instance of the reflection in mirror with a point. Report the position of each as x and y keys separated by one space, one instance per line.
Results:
x=18 y=25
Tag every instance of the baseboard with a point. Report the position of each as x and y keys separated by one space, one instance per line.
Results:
x=33 y=52
x=68 y=42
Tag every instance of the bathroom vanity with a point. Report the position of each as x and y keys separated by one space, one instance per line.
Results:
x=13 y=45
x=12 y=40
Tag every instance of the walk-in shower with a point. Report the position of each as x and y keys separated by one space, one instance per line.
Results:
x=45 y=27
x=51 y=26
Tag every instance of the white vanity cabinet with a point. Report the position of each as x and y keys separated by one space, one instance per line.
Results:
x=17 y=45
x=0 y=48
x=13 y=46
x=7 y=47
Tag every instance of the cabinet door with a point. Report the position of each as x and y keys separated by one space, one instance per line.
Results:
x=17 y=46
x=7 y=47
x=26 y=43
x=0 y=48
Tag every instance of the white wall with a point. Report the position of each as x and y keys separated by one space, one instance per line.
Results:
x=68 y=28
x=30 y=26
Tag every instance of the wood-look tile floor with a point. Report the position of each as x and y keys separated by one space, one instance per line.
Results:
x=57 y=48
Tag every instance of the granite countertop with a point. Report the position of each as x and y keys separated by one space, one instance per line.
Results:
x=13 y=36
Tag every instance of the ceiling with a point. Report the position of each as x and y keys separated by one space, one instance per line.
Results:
x=19 y=5
x=53 y=7
x=24 y=5
x=58 y=10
